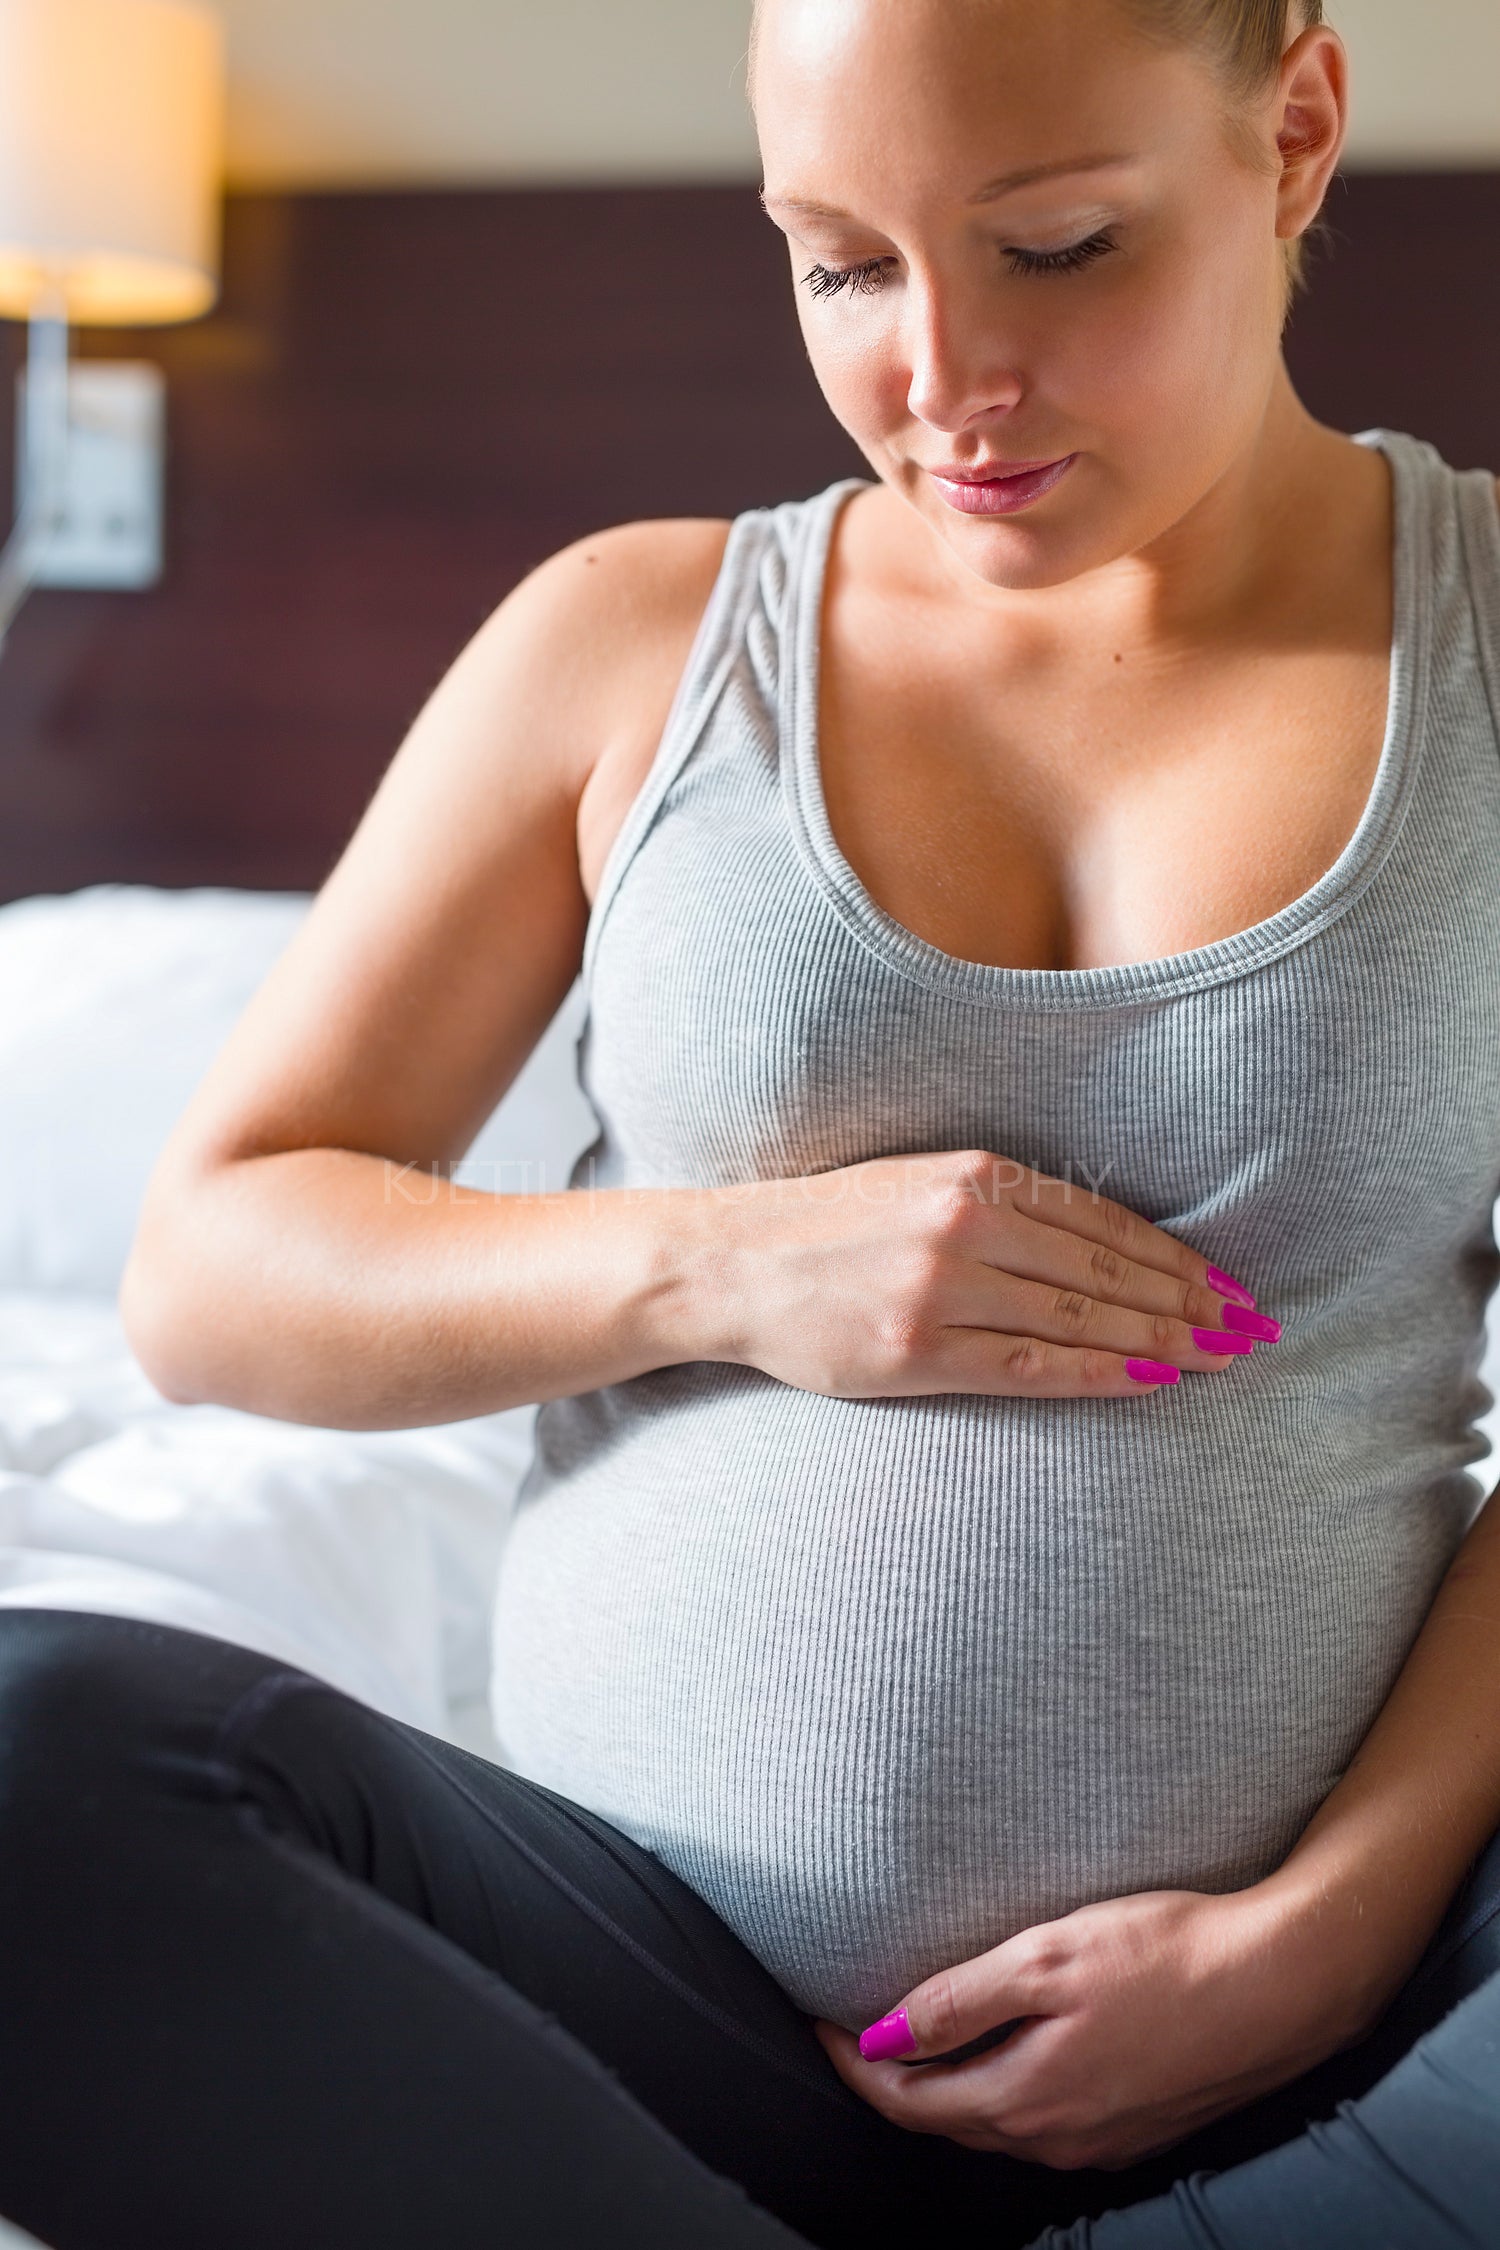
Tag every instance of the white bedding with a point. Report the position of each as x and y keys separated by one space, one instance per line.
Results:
x=366 y=1557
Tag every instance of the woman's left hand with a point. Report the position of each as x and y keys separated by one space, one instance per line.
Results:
x=1139 y=2020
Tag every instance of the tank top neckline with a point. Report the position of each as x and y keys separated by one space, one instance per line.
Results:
x=1124 y=984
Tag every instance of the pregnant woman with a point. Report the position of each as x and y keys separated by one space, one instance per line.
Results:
x=1000 y=1573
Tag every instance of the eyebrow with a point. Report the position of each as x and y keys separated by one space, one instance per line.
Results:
x=1005 y=184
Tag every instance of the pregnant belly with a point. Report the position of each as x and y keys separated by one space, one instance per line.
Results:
x=886 y=1681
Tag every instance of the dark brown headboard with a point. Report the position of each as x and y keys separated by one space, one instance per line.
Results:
x=405 y=400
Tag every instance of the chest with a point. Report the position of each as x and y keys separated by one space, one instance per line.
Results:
x=743 y=1025
x=1030 y=815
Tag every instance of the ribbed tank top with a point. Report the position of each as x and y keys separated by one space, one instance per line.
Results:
x=887 y=1680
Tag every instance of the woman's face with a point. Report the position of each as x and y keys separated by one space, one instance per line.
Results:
x=1023 y=235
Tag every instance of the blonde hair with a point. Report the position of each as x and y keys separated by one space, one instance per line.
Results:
x=1246 y=39
x=1246 y=36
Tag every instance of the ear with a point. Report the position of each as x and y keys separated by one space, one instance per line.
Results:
x=1312 y=114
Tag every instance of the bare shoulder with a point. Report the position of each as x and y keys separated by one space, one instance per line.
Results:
x=622 y=605
x=618 y=613
x=583 y=658
x=652 y=563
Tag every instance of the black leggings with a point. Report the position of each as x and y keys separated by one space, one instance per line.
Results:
x=277 y=1973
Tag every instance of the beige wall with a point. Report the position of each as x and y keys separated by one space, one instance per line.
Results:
x=1426 y=80
x=365 y=91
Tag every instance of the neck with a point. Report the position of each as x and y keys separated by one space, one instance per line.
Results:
x=1245 y=542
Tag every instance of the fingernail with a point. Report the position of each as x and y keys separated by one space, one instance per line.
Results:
x=1151 y=1371
x=888 y=2040
x=1256 y=1324
x=1217 y=1340
x=1224 y=1285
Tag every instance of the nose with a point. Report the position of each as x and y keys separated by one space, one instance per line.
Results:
x=961 y=370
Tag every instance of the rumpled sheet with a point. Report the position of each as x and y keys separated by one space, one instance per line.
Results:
x=368 y=1558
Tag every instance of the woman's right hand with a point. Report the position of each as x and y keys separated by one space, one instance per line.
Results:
x=963 y=1271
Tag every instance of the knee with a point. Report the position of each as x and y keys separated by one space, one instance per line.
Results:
x=84 y=1697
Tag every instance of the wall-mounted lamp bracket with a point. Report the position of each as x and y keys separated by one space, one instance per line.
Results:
x=43 y=448
x=104 y=525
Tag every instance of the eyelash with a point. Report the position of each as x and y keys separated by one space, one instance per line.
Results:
x=1077 y=255
x=866 y=279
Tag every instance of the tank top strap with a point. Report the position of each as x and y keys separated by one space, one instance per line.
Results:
x=1447 y=626
x=745 y=627
x=1479 y=530
x=1461 y=560
x=711 y=658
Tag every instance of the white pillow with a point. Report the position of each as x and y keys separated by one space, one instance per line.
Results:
x=113 y=1002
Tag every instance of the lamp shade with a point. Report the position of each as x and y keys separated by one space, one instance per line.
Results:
x=111 y=132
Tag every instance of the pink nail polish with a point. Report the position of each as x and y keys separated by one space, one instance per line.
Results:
x=1224 y=1285
x=1151 y=1371
x=1218 y=1340
x=1256 y=1324
x=888 y=2040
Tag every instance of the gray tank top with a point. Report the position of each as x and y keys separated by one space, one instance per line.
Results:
x=886 y=1680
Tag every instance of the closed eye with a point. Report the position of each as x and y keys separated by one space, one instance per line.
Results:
x=866 y=278
x=830 y=281
x=1070 y=260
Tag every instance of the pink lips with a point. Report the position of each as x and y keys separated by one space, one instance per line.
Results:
x=1000 y=490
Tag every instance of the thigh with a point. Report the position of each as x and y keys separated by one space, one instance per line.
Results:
x=215 y=2033
x=593 y=1929
x=276 y=1955
x=570 y=1914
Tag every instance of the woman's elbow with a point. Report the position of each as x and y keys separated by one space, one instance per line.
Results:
x=156 y=1308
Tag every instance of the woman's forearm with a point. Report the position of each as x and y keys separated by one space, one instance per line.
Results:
x=1377 y=1866
x=327 y=1286
x=340 y=1289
